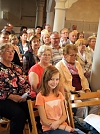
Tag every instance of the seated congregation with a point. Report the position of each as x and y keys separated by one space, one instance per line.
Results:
x=45 y=68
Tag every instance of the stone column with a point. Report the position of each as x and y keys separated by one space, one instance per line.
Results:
x=39 y=12
x=50 y=19
x=50 y=12
x=95 y=75
x=69 y=3
x=60 y=14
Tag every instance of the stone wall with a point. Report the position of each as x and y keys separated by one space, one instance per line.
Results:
x=85 y=14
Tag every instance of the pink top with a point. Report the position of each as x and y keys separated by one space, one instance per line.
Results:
x=52 y=105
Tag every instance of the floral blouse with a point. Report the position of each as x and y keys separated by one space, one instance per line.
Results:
x=11 y=81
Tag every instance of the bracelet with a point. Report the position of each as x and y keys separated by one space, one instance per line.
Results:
x=65 y=128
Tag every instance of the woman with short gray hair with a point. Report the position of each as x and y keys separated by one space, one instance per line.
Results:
x=36 y=71
x=12 y=87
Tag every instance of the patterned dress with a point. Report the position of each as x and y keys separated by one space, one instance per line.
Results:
x=11 y=81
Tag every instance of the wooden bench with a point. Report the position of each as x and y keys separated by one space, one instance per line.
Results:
x=91 y=99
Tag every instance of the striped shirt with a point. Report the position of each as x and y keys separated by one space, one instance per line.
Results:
x=57 y=55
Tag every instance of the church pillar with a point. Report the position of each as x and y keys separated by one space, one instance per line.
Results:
x=50 y=19
x=50 y=13
x=39 y=12
x=95 y=75
x=60 y=14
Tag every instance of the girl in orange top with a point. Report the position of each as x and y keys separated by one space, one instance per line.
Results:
x=50 y=104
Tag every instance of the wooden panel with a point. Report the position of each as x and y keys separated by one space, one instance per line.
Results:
x=87 y=103
x=87 y=27
x=85 y=96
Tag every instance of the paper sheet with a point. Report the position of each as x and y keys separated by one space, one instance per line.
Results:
x=93 y=120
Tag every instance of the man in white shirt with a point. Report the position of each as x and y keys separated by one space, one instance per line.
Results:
x=64 y=37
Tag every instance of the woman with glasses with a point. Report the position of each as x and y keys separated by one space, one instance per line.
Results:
x=12 y=86
x=72 y=76
x=36 y=71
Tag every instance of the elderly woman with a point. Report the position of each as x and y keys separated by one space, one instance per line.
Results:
x=91 y=46
x=12 y=86
x=72 y=75
x=36 y=71
x=83 y=57
x=46 y=39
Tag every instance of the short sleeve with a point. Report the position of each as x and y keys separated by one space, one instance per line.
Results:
x=39 y=100
x=61 y=96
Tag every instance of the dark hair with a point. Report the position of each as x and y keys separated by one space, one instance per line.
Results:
x=38 y=27
x=4 y=32
x=23 y=27
x=34 y=37
x=47 y=75
x=78 y=34
x=74 y=27
x=23 y=32
x=5 y=29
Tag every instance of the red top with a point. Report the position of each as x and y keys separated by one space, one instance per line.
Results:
x=39 y=71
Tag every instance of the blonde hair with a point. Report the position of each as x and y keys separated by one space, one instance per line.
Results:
x=42 y=38
x=44 y=48
x=63 y=30
x=44 y=31
x=30 y=30
x=80 y=41
x=90 y=38
x=5 y=45
x=13 y=37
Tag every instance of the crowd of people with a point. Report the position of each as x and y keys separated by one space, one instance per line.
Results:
x=45 y=64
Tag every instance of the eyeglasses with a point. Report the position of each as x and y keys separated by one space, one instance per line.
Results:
x=45 y=55
x=73 y=55
x=9 y=51
x=65 y=33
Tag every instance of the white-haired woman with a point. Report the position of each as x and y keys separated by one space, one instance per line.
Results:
x=36 y=71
